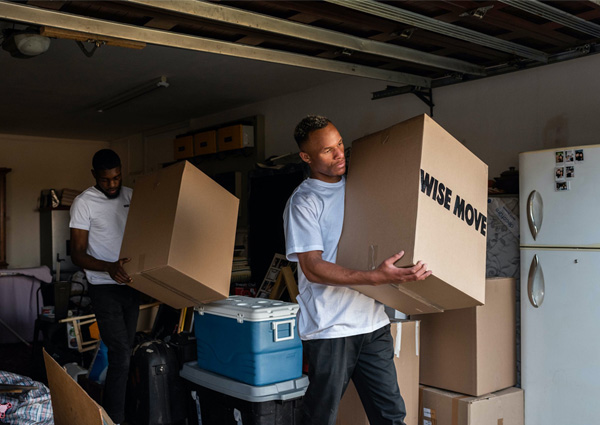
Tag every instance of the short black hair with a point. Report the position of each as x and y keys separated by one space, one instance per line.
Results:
x=105 y=159
x=308 y=125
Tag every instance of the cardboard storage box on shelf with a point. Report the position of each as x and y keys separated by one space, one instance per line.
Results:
x=414 y=187
x=472 y=350
x=183 y=147
x=406 y=359
x=440 y=407
x=180 y=236
x=205 y=142
x=235 y=137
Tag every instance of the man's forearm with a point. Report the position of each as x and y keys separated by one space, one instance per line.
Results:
x=88 y=262
x=321 y=271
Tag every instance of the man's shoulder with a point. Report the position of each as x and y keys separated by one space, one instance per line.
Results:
x=85 y=195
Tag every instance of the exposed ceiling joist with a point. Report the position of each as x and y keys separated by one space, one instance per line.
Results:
x=36 y=16
x=256 y=21
x=410 y=18
x=555 y=15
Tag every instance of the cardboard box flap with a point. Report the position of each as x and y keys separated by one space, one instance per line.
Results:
x=70 y=403
x=187 y=292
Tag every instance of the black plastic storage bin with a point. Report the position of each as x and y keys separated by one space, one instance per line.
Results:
x=223 y=401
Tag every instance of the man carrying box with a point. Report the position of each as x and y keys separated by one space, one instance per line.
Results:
x=98 y=217
x=345 y=334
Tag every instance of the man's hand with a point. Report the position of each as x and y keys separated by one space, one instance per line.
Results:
x=387 y=272
x=118 y=273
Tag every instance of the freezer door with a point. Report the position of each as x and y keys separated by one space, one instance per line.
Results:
x=560 y=338
x=552 y=217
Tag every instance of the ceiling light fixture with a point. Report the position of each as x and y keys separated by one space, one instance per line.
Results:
x=132 y=94
x=25 y=43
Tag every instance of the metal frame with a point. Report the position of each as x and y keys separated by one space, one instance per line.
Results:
x=553 y=14
x=410 y=18
x=259 y=22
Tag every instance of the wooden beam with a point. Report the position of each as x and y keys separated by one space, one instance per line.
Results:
x=86 y=37
x=22 y=13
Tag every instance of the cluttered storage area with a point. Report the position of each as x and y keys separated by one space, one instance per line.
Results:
x=301 y=212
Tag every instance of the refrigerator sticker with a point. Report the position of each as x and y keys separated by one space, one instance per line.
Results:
x=569 y=157
x=439 y=192
x=560 y=157
x=570 y=172
x=579 y=155
x=559 y=174
x=561 y=186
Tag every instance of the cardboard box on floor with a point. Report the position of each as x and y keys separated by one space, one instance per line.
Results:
x=441 y=407
x=180 y=236
x=414 y=187
x=406 y=359
x=70 y=403
x=472 y=350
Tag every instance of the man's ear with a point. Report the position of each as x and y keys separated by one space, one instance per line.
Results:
x=93 y=173
x=305 y=157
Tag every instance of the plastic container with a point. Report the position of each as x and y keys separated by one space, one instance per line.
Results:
x=251 y=340
x=219 y=400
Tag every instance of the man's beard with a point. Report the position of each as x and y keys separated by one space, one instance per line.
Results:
x=108 y=195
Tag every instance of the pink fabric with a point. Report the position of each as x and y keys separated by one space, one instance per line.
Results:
x=18 y=290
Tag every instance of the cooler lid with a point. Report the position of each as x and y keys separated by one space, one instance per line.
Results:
x=285 y=390
x=249 y=309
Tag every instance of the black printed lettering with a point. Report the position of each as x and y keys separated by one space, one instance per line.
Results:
x=447 y=199
x=469 y=209
x=459 y=208
x=426 y=183
x=440 y=196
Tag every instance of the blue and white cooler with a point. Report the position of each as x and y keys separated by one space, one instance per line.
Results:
x=251 y=340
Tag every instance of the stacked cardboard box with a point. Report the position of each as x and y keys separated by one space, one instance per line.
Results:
x=414 y=187
x=441 y=407
x=469 y=356
x=406 y=359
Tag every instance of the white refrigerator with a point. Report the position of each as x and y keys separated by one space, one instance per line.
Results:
x=560 y=285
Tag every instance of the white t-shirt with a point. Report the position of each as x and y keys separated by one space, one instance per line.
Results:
x=105 y=220
x=313 y=220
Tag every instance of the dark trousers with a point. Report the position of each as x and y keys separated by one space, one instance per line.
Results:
x=116 y=308
x=368 y=360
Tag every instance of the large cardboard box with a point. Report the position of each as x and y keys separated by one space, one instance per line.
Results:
x=70 y=403
x=406 y=359
x=439 y=407
x=414 y=187
x=472 y=350
x=180 y=236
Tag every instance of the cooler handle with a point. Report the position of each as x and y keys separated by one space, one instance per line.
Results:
x=275 y=327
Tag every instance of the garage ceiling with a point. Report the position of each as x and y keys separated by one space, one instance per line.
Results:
x=221 y=54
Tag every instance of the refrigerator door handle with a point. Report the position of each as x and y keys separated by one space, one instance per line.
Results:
x=535 y=212
x=535 y=283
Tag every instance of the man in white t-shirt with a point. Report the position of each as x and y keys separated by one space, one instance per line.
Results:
x=98 y=217
x=345 y=334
